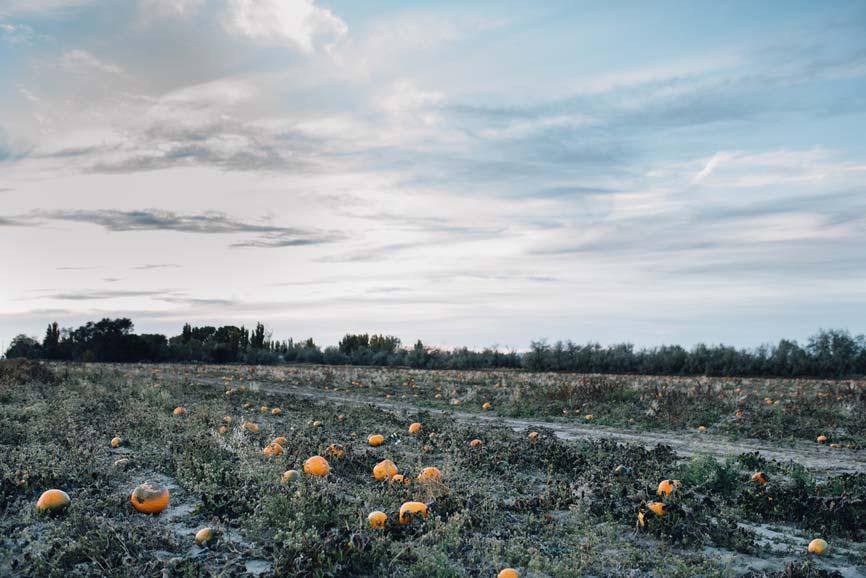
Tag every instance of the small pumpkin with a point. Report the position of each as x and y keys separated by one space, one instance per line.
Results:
x=588 y=417
x=290 y=476
x=817 y=546
x=475 y=443
x=276 y=411
x=179 y=411
x=414 y=428
x=821 y=439
x=397 y=479
x=251 y=427
x=336 y=451
x=376 y=440
x=377 y=519
x=272 y=450
x=430 y=473
x=227 y=419
x=204 y=536
x=533 y=436
x=739 y=413
x=150 y=498
x=317 y=423
x=281 y=440
x=222 y=429
x=657 y=508
x=759 y=478
x=317 y=466
x=487 y=405
x=264 y=409
x=116 y=442
x=668 y=487
x=508 y=573
x=410 y=510
x=53 y=501
x=384 y=470
x=702 y=428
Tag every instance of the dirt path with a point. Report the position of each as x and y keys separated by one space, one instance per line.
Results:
x=818 y=458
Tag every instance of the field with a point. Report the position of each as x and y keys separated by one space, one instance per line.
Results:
x=559 y=484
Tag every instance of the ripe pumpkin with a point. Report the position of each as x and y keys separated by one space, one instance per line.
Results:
x=409 y=510
x=179 y=411
x=272 y=450
x=588 y=417
x=222 y=429
x=376 y=440
x=204 y=536
x=281 y=440
x=384 y=470
x=415 y=428
x=317 y=466
x=377 y=519
x=276 y=411
x=739 y=413
x=817 y=546
x=668 y=487
x=251 y=427
x=290 y=476
x=317 y=423
x=116 y=442
x=702 y=428
x=53 y=501
x=657 y=508
x=475 y=443
x=821 y=439
x=336 y=451
x=264 y=409
x=760 y=478
x=508 y=573
x=487 y=405
x=431 y=473
x=150 y=498
x=397 y=479
x=533 y=436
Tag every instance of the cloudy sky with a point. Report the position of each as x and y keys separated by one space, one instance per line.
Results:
x=467 y=173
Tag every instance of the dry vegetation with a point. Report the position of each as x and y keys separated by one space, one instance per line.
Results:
x=521 y=499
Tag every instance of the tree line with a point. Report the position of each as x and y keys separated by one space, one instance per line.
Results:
x=828 y=353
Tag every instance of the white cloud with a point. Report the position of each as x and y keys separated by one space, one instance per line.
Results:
x=83 y=61
x=710 y=166
x=31 y=7
x=169 y=8
x=297 y=22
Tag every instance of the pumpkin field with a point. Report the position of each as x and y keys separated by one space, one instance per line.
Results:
x=205 y=470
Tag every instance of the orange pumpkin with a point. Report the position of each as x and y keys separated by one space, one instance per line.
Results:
x=336 y=451
x=657 y=508
x=276 y=411
x=384 y=470
x=702 y=428
x=272 y=450
x=150 y=498
x=760 y=478
x=222 y=429
x=821 y=439
x=251 y=427
x=415 y=428
x=179 y=411
x=817 y=546
x=508 y=573
x=116 y=442
x=53 y=501
x=376 y=440
x=668 y=487
x=397 y=479
x=431 y=473
x=377 y=519
x=588 y=417
x=410 y=510
x=281 y=440
x=533 y=436
x=487 y=405
x=475 y=443
x=317 y=466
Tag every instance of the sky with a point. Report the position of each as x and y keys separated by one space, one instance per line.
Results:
x=468 y=173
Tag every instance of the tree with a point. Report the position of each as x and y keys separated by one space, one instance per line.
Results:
x=24 y=347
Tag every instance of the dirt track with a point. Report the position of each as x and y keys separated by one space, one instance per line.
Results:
x=818 y=458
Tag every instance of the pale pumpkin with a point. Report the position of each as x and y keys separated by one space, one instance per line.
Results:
x=53 y=501
x=281 y=440
x=411 y=510
x=116 y=442
x=150 y=498
x=272 y=450
x=821 y=439
x=290 y=476
x=276 y=411
x=179 y=411
x=251 y=427
x=317 y=466
x=204 y=536
x=384 y=470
